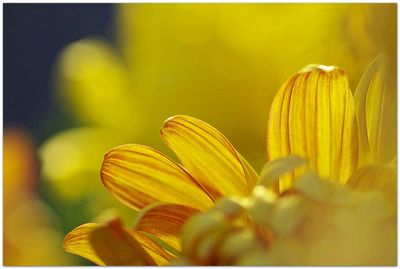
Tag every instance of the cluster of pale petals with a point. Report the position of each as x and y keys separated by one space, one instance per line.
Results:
x=316 y=222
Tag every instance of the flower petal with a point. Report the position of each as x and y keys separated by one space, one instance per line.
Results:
x=209 y=156
x=87 y=70
x=165 y=221
x=111 y=244
x=77 y=242
x=313 y=116
x=375 y=177
x=156 y=252
x=276 y=168
x=139 y=175
x=375 y=102
x=117 y=247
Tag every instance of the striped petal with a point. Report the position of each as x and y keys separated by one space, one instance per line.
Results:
x=376 y=103
x=312 y=116
x=117 y=247
x=139 y=175
x=159 y=255
x=375 y=177
x=77 y=242
x=209 y=156
x=165 y=221
x=111 y=244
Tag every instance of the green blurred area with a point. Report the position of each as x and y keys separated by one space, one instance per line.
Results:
x=221 y=63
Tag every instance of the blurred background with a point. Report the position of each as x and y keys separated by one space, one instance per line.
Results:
x=82 y=78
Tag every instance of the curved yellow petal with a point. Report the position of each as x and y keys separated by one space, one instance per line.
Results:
x=312 y=116
x=77 y=242
x=209 y=156
x=115 y=246
x=375 y=177
x=139 y=175
x=276 y=168
x=156 y=252
x=376 y=103
x=165 y=221
x=111 y=244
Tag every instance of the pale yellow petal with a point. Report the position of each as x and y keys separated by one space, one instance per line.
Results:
x=77 y=242
x=92 y=76
x=208 y=156
x=276 y=168
x=314 y=187
x=313 y=116
x=165 y=221
x=139 y=175
x=376 y=103
x=375 y=177
x=324 y=191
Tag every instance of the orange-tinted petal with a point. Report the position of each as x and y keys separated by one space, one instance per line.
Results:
x=77 y=242
x=139 y=175
x=165 y=221
x=115 y=246
x=156 y=252
x=112 y=244
x=312 y=116
x=209 y=156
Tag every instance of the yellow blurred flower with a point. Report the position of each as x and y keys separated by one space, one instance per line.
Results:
x=31 y=229
x=168 y=58
x=20 y=164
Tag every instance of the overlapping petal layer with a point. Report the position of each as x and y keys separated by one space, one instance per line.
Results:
x=139 y=175
x=77 y=242
x=115 y=246
x=276 y=168
x=208 y=156
x=165 y=221
x=111 y=244
x=375 y=177
x=313 y=116
x=375 y=102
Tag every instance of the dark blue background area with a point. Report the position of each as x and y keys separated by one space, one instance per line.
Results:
x=33 y=37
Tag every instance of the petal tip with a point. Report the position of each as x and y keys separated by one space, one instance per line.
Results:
x=319 y=68
x=172 y=119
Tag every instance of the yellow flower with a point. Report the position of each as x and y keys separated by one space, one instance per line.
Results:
x=312 y=220
x=313 y=116
x=236 y=53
